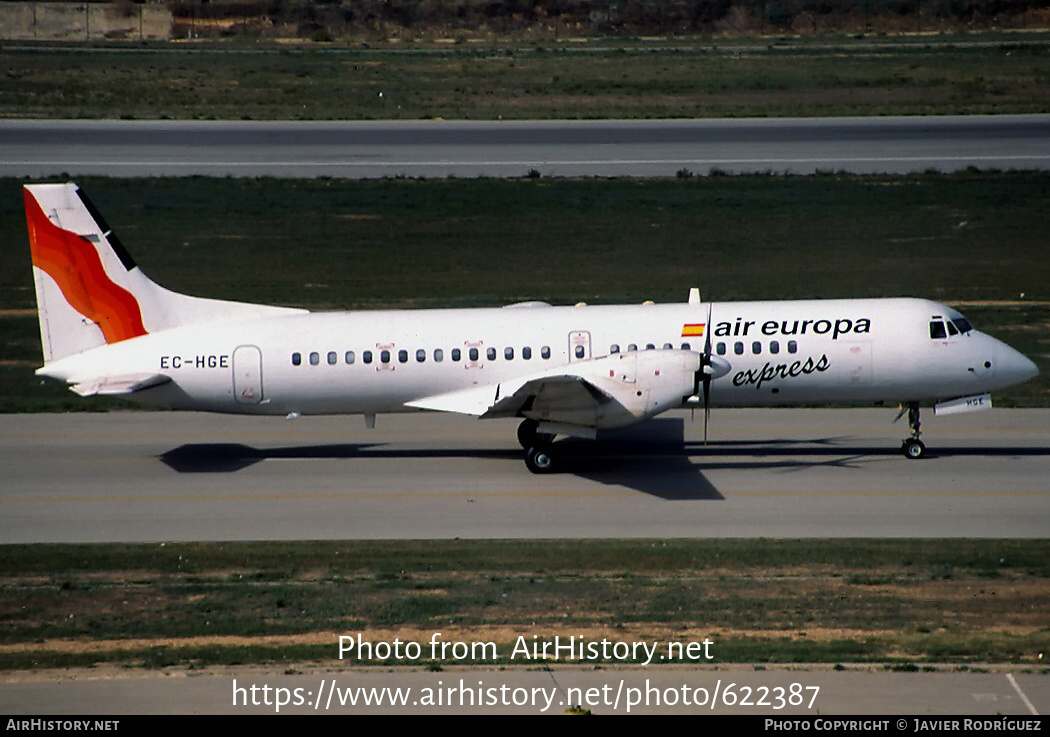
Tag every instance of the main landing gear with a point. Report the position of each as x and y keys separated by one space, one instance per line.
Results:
x=539 y=458
x=912 y=447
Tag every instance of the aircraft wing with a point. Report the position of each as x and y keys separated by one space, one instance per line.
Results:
x=612 y=391
x=542 y=396
x=117 y=385
x=509 y=399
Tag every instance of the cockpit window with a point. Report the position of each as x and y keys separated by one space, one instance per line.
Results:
x=963 y=324
x=937 y=331
x=952 y=330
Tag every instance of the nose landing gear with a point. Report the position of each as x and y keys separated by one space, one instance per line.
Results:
x=912 y=447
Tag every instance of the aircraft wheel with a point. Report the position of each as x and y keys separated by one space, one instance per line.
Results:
x=527 y=433
x=539 y=459
x=913 y=449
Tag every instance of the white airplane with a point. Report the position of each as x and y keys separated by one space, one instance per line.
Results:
x=109 y=330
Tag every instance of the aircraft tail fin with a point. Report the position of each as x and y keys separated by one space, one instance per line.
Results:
x=89 y=289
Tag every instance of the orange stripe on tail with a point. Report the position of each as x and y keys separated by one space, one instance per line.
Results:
x=73 y=262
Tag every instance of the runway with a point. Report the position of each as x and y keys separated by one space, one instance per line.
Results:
x=789 y=473
x=41 y=148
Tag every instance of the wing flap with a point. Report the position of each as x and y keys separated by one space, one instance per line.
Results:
x=474 y=401
x=509 y=399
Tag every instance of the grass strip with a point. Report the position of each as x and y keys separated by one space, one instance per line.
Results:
x=777 y=601
x=618 y=78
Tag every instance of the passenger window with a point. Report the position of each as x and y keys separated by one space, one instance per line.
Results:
x=686 y=347
x=333 y=358
x=384 y=356
x=756 y=347
x=350 y=357
x=402 y=356
x=937 y=330
x=508 y=353
x=720 y=349
x=774 y=347
x=315 y=358
x=491 y=354
x=297 y=359
x=421 y=355
x=526 y=353
x=439 y=355
x=649 y=347
x=631 y=347
x=473 y=354
x=545 y=352
x=668 y=346
x=614 y=348
x=738 y=348
x=367 y=356
x=792 y=346
x=456 y=354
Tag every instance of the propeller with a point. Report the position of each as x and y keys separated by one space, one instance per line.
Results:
x=705 y=366
x=703 y=376
x=711 y=368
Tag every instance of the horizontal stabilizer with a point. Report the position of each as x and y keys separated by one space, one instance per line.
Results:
x=117 y=385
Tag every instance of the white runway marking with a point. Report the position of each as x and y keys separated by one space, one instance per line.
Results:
x=1024 y=698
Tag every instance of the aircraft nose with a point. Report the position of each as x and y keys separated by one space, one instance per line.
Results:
x=1014 y=367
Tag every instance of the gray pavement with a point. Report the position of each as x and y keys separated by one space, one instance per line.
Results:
x=772 y=691
x=144 y=476
x=42 y=148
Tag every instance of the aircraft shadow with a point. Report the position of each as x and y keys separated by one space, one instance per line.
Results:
x=230 y=457
x=655 y=458
x=666 y=474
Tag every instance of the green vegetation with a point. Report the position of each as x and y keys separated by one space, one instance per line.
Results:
x=977 y=239
x=760 y=600
x=507 y=80
x=323 y=21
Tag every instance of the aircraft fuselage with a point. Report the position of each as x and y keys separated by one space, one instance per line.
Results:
x=790 y=352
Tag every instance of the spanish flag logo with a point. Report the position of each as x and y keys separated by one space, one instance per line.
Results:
x=693 y=330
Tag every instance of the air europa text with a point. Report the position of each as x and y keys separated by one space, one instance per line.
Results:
x=840 y=326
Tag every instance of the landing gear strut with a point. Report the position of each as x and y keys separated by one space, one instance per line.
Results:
x=912 y=447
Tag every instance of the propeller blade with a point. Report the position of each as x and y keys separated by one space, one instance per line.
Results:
x=705 y=362
x=707 y=417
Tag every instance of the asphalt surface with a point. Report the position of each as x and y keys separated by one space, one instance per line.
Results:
x=795 y=473
x=42 y=148
x=609 y=690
